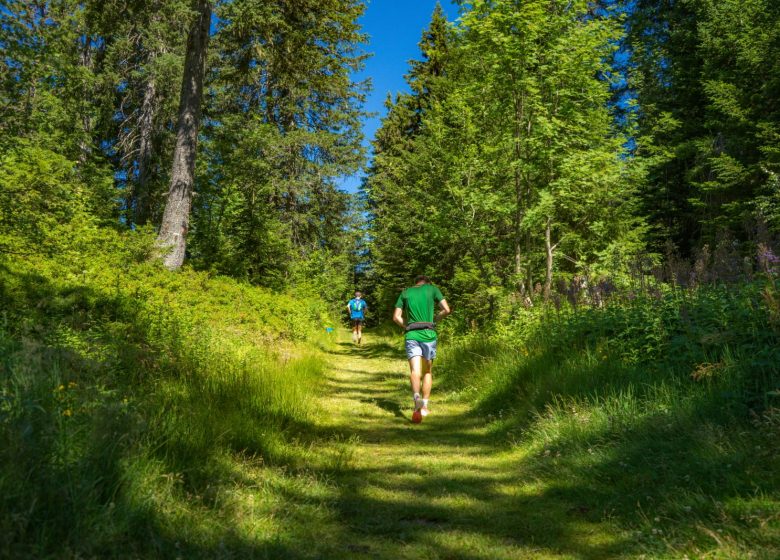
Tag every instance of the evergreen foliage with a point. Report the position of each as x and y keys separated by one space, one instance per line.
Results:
x=98 y=83
x=283 y=125
x=706 y=79
x=508 y=167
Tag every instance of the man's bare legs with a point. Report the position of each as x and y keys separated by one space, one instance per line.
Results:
x=421 y=377
x=357 y=331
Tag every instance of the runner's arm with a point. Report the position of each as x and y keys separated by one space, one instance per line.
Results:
x=445 y=310
x=398 y=317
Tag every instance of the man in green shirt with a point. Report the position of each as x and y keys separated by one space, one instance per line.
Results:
x=419 y=303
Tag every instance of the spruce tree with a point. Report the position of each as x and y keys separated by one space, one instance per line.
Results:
x=283 y=124
x=389 y=189
x=176 y=218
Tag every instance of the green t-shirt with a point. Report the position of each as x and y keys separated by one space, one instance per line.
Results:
x=419 y=303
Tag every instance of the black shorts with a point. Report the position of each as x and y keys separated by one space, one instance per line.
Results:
x=357 y=322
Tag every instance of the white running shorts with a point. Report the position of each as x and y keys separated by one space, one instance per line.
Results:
x=425 y=349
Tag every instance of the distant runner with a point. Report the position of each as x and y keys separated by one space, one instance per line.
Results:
x=357 y=308
x=419 y=302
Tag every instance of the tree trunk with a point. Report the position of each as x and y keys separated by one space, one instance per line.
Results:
x=85 y=144
x=145 y=149
x=173 y=230
x=549 y=246
x=518 y=184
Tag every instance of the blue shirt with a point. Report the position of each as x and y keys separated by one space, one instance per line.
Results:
x=356 y=308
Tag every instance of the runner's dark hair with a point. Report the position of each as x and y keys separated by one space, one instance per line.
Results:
x=422 y=278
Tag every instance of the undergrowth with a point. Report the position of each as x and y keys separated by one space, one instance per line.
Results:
x=129 y=395
x=661 y=413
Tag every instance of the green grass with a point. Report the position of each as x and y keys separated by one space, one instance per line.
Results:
x=136 y=405
x=145 y=414
x=661 y=416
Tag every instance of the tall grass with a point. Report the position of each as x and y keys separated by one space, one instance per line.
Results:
x=661 y=413
x=129 y=394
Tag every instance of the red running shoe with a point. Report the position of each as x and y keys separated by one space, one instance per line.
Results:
x=417 y=416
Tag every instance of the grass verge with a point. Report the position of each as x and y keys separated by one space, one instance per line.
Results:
x=141 y=410
x=661 y=415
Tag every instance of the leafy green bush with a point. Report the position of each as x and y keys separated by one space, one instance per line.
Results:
x=42 y=195
x=686 y=335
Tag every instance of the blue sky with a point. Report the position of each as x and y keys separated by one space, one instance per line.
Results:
x=394 y=28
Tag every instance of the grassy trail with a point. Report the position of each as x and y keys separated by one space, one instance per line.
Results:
x=443 y=489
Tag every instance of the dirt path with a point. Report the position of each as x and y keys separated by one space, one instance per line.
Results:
x=443 y=489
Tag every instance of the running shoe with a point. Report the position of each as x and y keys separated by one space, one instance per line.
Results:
x=424 y=411
x=417 y=415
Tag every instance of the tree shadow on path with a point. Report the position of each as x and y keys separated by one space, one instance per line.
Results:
x=447 y=488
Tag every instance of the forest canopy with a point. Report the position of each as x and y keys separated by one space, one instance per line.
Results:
x=548 y=144
x=92 y=95
x=539 y=143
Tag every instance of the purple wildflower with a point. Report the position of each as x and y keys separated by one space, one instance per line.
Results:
x=767 y=260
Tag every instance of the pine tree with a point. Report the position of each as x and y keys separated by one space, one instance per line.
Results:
x=175 y=222
x=389 y=185
x=284 y=123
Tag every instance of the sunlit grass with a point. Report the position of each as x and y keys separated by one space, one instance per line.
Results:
x=130 y=434
x=146 y=414
x=656 y=444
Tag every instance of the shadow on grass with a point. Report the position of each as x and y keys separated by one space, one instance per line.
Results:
x=663 y=483
x=388 y=405
x=370 y=350
x=585 y=495
x=104 y=410
x=413 y=506
x=667 y=458
x=487 y=523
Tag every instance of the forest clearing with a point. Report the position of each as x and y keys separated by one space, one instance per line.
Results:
x=191 y=191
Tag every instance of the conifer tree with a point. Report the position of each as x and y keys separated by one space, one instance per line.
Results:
x=143 y=59
x=176 y=218
x=283 y=124
x=388 y=189
x=516 y=161
x=706 y=78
